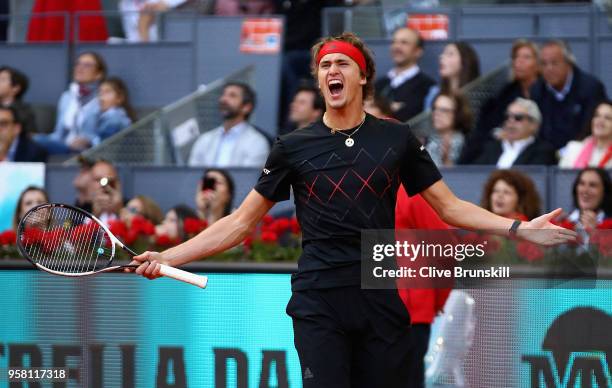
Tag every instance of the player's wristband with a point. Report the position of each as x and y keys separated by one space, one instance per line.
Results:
x=514 y=228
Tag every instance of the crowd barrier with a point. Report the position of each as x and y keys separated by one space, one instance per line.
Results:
x=161 y=183
x=119 y=330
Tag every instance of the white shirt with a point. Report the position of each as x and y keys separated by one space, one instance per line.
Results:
x=399 y=78
x=574 y=217
x=511 y=151
x=240 y=146
x=227 y=142
x=560 y=95
x=572 y=150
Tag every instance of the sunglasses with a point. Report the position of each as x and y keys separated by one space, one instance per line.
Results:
x=517 y=117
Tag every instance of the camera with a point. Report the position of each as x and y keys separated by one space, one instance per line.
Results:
x=107 y=181
x=208 y=183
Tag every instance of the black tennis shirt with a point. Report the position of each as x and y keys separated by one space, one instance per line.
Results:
x=341 y=190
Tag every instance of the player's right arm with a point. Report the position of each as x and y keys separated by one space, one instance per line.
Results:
x=228 y=232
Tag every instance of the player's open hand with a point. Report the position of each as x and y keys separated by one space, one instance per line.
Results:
x=542 y=231
x=149 y=264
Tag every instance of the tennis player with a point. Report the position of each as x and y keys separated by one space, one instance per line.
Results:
x=345 y=171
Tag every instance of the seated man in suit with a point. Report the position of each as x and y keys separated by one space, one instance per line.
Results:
x=405 y=85
x=15 y=143
x=566 y=95
x=517 y=142
x=235 y=143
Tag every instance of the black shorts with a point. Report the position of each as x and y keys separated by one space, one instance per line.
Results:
x=350 y=338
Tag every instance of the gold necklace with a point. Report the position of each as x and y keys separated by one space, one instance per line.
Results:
x=349 y=142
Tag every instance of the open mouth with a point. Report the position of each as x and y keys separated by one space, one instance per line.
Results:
x=335 y=87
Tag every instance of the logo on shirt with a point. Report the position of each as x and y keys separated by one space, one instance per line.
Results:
x=266 y=171
x=422 y=148
x=308 y=374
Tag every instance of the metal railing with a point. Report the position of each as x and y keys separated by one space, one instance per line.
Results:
x=165 y=137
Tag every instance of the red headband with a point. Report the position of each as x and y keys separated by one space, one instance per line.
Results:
x=342 y=47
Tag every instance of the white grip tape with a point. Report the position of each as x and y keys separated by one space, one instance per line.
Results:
x=184 y=276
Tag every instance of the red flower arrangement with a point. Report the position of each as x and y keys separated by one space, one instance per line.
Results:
x=194 y=225
x=529 y=251
x=8 y=237
x=275 y=239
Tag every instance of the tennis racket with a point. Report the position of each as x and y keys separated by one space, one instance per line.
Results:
x=68 y=241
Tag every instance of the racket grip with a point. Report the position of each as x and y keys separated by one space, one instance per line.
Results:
x=183 y=276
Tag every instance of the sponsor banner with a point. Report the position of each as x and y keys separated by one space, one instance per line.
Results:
x=261 y=36
x=430 y=26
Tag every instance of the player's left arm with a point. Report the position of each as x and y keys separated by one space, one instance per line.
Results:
x=466 y=215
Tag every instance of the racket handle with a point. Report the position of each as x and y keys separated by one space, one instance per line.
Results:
x=183 y=276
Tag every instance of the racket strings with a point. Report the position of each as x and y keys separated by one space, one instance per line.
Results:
x=65 y=240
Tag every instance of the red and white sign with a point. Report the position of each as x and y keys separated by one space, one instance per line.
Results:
x=430 y=26
x=261 y=36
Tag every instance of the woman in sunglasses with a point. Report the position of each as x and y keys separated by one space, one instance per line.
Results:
x=516 y=142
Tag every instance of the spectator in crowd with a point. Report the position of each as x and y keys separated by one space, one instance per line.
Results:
x=138 y=18
x=78 y=108
x=512 y=194
x=214 y=196
x=107 y=199
x=13 y=86
x=566 y=95
x=298 y=38
x=459 y=66
x=29 y=198
x=173 y=225
x=451 y=119
x=517 y=142
x=142 y=206
x=596 y=149
x=116 y=112
x=235 y=143
x=525 y=72
x=15 y=142
x=423 y=304
x=405 y=85
x=307 y=107
x=592 y=196
x=84 y=184
x=378 y=106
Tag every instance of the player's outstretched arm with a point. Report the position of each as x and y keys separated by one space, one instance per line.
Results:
x=220 y=236
x=466 y=215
